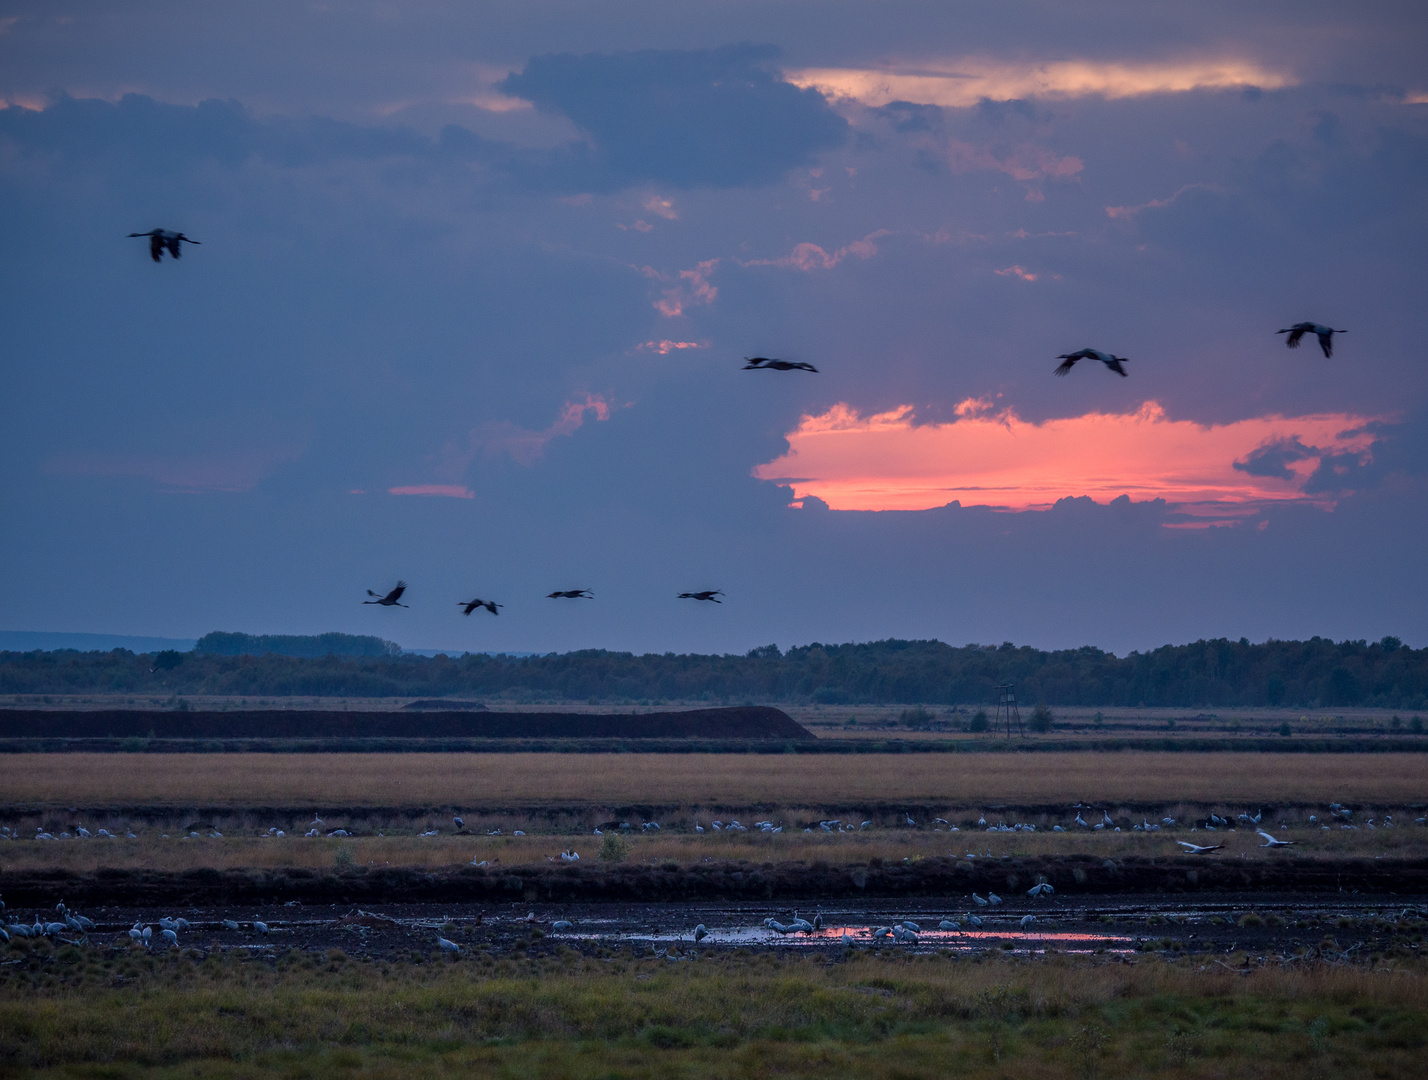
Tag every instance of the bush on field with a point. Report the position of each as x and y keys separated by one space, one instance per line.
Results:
x=916 y=717
x=1041 y=719
x=613 y=848
x=979 y=722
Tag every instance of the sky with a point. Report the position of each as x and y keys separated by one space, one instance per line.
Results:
x=475 y=283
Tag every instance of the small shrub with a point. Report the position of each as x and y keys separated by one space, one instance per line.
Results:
x=1416 y=725
x=916 y=717
x=979 y=722
x=1285 y=730
x=1041 y=719
x=613 y=849
x=343 y=855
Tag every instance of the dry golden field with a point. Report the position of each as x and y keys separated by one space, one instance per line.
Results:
x=739 y=781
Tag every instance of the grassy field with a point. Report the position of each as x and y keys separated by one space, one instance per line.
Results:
x=151 y=852
x=717 y=781
x=77 y=1012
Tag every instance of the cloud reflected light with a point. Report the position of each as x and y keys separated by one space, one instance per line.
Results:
x=963 y=82
x=986 y=457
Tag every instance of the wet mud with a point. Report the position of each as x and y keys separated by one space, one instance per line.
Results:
x=1344 y=928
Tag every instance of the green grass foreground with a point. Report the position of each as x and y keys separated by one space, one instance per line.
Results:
x=91 y=1013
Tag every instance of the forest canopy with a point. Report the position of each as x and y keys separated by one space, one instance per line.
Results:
x=1317 y=673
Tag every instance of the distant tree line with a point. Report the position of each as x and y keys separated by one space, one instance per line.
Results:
x=1317 y=673
x=220 y=643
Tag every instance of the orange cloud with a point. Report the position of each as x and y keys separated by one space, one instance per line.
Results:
x=958 y=83
x=450 y=491
x=994 y=458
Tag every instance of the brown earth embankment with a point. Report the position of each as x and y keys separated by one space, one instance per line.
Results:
x=941 y=877
x=741 y=722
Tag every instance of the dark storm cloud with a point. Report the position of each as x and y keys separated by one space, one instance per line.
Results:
x=714 y=117
x=1275 y=457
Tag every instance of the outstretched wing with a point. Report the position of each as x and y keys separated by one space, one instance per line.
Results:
x=1066 y=365
x=1114 y=363
x=467 y=607
x=156 y=247
x=1326 y=342
x=173 y=245
x=806 y=367
x=1294 y=335
x=396 y=594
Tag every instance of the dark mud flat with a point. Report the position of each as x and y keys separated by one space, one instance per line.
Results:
x=1349 y=928
x=1169 y=876
x=744 y=722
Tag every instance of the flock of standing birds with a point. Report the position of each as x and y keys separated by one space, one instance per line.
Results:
x=166 y=240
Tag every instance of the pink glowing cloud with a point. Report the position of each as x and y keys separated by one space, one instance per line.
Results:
x=809 y=257
x=449 y=491
x=235 y=471
x=522 y=444
x=1153 y=204
x=994 y=458
x=1025 y=162
x=665 y=346
x=961 y=82
x=691 y=288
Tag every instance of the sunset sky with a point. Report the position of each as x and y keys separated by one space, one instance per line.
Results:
x=476 y=283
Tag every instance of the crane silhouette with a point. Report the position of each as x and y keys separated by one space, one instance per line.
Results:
x=707 y=594
x=392 y=599
x=1198 y=849
x=1325 y=334
x=1068 y=360
x=571 y=594
x=472 y=605
x=763 y=363
x=159 y=239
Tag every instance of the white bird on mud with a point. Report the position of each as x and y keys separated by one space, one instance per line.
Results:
x=1270 y=841
x=135 y=934
x=1028 y=921
x=448 y=946
x=261 y=927
x=1081 y=821
x=171 y=938
x=882 y=932
x=570 y=855
x=949 y=924
x=700 y=933
x=1198 y=849
x=459 y=822
x=908 y=924
x=908 y=819
x=561 y=925
x=980 y=902
x=697 y=828
x=993 y=898
x=1043 y=889
x=973 y=919
x=232 y=924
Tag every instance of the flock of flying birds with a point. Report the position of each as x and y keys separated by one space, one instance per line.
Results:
x=161 y=240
